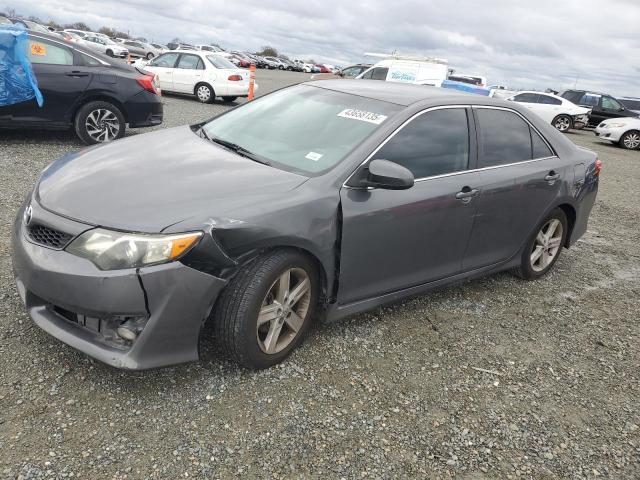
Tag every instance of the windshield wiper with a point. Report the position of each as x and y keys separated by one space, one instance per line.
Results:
x=234 y=147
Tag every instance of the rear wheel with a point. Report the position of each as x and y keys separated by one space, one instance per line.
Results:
x=630 y=140
x=229 y=99
x=266 y=309
x=562 y=123
x=544 y=247
x=150 y=56
x=99 y=122
x=205 y=93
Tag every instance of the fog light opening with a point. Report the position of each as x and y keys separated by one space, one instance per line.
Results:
x=126 y=333
x=130 y=328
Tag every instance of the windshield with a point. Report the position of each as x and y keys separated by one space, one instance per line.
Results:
x=220 y=62
x=304 y=129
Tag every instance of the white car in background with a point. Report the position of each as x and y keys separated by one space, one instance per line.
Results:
x=559 y=112
x=104 y=44
x=624 y=131
x=203 y=74
x=406 y=69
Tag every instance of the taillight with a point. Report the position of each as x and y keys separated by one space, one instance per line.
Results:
x=149 y=83
x=235 y=78
x=598 y=167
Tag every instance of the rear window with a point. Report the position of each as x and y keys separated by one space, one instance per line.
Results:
x=526 y=97
x=572 y=96
x=220 y=62
x=631 y=104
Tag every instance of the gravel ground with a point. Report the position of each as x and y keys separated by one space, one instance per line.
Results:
x=391 y=393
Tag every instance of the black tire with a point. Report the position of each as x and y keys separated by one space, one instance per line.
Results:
x=630 y=140
x=199 y=90
x=235 y=315
x=150 y=55
x=110 y=53
x=99 y=109
x=229 y=99
x=563 y=123
x=526 y=270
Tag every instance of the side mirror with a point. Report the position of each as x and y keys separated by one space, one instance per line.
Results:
x=386 y=175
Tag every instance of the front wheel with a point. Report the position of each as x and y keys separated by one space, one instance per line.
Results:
x=229 y=99
x=264 y=312
x=109 y=53
x=150 y=55
x=562 y=123
x=544 y=247
x=630 y=140
x=99 y=122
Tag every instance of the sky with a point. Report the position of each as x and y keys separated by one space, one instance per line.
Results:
x=527 y=45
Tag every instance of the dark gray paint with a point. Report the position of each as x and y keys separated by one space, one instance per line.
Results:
x=373 y=246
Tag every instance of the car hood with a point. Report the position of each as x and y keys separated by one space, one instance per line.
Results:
x=147 y=182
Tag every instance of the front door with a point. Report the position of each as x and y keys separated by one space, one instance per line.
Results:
x=163 y=66
x=395 y=239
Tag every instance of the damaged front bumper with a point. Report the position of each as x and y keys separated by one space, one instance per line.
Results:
x=74 y=301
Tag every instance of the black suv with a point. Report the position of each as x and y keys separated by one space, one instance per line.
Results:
x=603 y=106
x=94 y=94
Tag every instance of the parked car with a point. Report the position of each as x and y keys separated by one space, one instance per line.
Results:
x=208 y=48
x=73 y=37
x=162 y=48
x=352 y=71
x=203 y=74
x=420 y=71
x=262 y=219
x=603 y=106
x=322 y=69
x=632 y=104
x=271 y=63
x=80 y=33
x=29 y=25
x=624 y=132
x=559 y=112
x=180 y=46
x=476 y=80
x=105 y=45
x=141 y=49
x=86 y=91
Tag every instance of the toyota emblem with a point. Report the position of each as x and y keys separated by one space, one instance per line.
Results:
x=27 y=215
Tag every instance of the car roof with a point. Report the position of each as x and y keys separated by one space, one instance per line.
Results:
x=541 y=93
x=400 y=93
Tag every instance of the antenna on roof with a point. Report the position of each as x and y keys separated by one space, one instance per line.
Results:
x=399 y=56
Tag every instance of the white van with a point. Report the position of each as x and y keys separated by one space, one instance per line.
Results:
x=420 y=71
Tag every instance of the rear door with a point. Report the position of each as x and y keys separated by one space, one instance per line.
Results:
x=520 y=178
x=163 y=66
x=62 y=79
x=188 y=72
x=395 y=239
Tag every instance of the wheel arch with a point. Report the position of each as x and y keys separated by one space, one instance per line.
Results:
x=570 y=212
x=100 y=98
x=195 y=88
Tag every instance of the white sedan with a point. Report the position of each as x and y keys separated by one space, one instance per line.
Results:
x=624 y=131
x=203 y=74
x=559 y=112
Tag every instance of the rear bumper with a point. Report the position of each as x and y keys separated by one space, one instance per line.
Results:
x=82 y=306
x=144 y=110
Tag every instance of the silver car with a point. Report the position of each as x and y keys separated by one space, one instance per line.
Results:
x=317 y=201
x=141 y=49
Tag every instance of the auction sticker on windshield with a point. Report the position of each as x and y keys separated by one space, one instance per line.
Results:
x=363 y=116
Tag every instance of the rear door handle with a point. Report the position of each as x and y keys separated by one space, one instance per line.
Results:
x=466 y=194
x=552 y=176
x=77 y=74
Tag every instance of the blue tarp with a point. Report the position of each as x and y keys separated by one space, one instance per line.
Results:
x=466 y=87
x=17 y=80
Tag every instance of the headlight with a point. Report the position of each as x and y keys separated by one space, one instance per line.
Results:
x=616 y=125
x=110 y=250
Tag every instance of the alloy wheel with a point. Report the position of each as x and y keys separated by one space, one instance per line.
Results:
x=102 y=125
x=204 y=93
x=547 y=244
x=562 y=124
x=631 y=140
x=284 y=310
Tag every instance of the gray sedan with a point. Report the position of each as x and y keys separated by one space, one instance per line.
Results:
x=314 y=202
x=141 y=49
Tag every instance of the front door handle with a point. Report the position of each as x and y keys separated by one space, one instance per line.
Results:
x=466 y=194
x=552 y=176
x=76 y=74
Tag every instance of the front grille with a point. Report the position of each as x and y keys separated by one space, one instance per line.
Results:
x=48 y=237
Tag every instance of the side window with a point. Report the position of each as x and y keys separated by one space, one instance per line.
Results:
x=526 y=97
x=540 y=149
x=167 y=60
x=89 y=61
x=572 y=96
x=190 y=62
x=351 y=72
x=547 y=100
x=590 y=99
x=610 y=104
x=504 y=138
x=434 y=143
x=379 y=73
x=368 y=74
x=41 y=51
